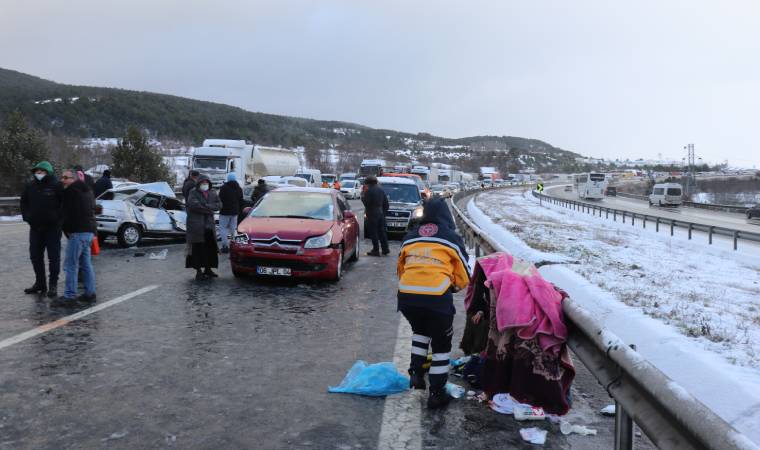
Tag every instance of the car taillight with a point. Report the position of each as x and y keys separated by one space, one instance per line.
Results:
x=98 y=209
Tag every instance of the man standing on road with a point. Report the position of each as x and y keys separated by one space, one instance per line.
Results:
x=259 y=191
x=375 y=206
x=231 y=196
x=88 y=180
x=189 y=184
x=103 y=184
x=432 y=265
x=41 y=204
x=79 y=226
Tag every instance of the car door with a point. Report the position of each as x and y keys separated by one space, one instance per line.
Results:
x=152 y=215
x=347 y=225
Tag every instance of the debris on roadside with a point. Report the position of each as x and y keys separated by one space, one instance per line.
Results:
x=374 y=380
x=527 y=412
x=608 y=410
x=567 y=428
x=533 y=435
x=160 y=255
x=454 y=390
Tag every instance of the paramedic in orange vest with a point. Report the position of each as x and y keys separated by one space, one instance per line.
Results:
x=432 y=265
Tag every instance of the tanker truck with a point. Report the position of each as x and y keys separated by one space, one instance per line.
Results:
x=218 y=157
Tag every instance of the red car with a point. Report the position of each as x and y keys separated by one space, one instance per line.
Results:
x=297 y=232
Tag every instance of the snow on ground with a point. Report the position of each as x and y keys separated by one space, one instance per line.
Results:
x=691 y=309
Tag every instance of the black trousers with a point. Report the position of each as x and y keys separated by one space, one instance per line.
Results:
x=432 y=329
x=40 y=240
x=377 y=232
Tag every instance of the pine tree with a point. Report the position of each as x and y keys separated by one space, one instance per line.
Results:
x=20 y=148
x=135 y=159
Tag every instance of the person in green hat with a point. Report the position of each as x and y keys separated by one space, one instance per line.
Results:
x=41 y=208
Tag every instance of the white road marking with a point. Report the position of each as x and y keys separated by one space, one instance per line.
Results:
x=401 y=426
x=68 y=319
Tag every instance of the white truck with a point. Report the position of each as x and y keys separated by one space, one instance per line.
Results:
x=218 y=157
x=428 y=174
x=374 y=167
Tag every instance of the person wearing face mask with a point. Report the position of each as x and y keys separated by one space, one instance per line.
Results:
x=41 y=204
x=202 y=251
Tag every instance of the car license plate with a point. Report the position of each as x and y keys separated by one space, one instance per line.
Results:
x=397 y=224
x=279 y=271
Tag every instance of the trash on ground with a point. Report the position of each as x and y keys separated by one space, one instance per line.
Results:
x=553 y=418
x=139 y=253
x=115 y=436
x=160 y=255
x=454 y=390
x=567 y=428
x=533 y=435
x=374 y=380
x=459 y=361
x=608 y=410
x=527 y=412
x=503 y=403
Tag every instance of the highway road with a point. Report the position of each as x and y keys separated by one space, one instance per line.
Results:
x=171 y=363
x=700 y=216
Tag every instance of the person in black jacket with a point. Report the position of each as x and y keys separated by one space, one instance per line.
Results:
x=103 y=184
x=41 y=204
x=88 y=180
x=189 y=184
x=375 y=206
x=231 y=196
x=79 y=226
x=259 y=191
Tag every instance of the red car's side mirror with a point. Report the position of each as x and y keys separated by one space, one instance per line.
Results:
x=349 y=215
x=247 y=210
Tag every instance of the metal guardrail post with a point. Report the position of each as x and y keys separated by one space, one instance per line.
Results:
x=645 y=221
x=614 y=215
x=623 y=429
x=672 y=226
x=623 y=216
x=736 y=239
x=691 y=227
x=657 y=225
x=710 y=234
x=633 y=219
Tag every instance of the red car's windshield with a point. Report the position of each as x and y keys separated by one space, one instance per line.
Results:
x=295 y=204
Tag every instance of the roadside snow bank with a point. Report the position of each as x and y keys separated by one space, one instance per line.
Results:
x=693 y=311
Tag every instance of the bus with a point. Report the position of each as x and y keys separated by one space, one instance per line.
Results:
x=590 y=186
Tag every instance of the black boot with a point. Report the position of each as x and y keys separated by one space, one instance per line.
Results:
x=53 y=288
x=37 y=288
x=417 y=379
x=200 y=276
x=438 y=398
x=210 y=273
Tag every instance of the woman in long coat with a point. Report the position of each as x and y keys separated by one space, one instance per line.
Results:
x=202 y=252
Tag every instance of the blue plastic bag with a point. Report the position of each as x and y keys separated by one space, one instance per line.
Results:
x=374 y=380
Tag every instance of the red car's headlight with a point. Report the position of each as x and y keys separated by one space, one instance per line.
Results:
x=241 y=238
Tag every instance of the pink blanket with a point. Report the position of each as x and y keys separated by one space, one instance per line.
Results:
x=524 y=301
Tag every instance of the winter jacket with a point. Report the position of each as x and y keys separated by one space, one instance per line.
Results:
x=79 y=209
x=231 y=197
x=375 y=201
x=41 y=201
x=102 y=185
x=200 y=213
x=258 y=192
x=187 y=186
x=432 y=263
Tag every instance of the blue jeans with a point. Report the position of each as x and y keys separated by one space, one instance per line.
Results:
x=78 y=255
x=227 y=225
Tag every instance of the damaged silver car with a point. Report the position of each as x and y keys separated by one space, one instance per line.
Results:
x=133 y=212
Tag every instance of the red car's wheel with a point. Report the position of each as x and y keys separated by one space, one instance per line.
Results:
x=339 y=268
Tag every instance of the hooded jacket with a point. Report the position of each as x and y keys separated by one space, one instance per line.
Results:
x=200 y=212
x=42 y=200
x=231 y=197
x=433 y=262
x=103 y=184
x=79 y=209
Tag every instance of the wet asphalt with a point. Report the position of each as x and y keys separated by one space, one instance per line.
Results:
x=222 y=364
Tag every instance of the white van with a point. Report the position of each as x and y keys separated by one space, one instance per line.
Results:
x=666 y=194
x=313 y=177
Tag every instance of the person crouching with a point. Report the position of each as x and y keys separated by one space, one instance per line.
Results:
x=432 y=265
x=202 y=251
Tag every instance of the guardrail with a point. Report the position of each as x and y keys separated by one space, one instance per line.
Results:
x=710 y=206
x=669 y=416
x=9 y=201
x=710 y=230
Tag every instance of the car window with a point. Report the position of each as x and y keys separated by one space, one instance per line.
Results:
x=296 y=204
x=659 y=191
x=116 y=195
x=674 y=191
x=342 y=205
x=403 y=193
x=151 y=201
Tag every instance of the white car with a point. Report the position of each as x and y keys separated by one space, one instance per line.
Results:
x=351 y=189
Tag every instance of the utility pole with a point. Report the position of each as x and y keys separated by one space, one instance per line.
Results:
x=691 y=181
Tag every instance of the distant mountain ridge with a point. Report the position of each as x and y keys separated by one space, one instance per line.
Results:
x=86 y=111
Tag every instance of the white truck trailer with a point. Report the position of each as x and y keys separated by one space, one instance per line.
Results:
x=218 y=157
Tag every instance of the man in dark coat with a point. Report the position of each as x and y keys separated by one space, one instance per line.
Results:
x=189 y=184
x=259 y=191
x=231 y=196
x=88 y=180
x=375 y=206
x=79 y=226
x=103 y=184
x=41 y=204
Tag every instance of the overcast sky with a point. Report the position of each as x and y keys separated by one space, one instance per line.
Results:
x=602 y=78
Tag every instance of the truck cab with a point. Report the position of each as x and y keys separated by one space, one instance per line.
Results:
x=218 y=157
